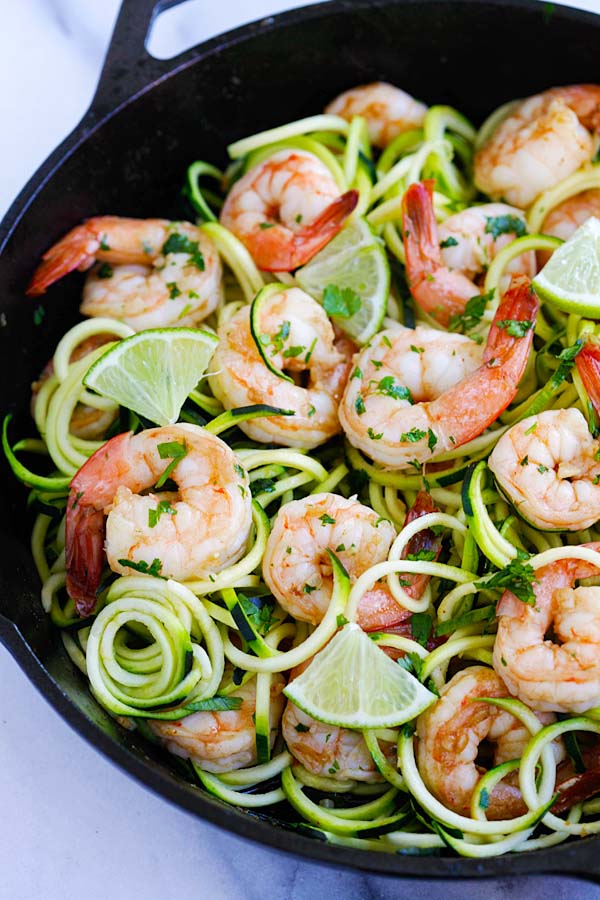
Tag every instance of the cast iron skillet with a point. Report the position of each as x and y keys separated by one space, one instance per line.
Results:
x=148 y=120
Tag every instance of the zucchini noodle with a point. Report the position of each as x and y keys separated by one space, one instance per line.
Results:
x=199 y=666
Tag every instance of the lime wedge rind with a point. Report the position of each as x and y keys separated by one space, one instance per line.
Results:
x=571 y=277
x=351 y=683
x=153 y=372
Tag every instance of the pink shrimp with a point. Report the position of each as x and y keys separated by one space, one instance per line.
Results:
x=285 y=209
x=561 y=675
x=193 y=533
x=441 y=279
x=165 y=273
x=396 y=426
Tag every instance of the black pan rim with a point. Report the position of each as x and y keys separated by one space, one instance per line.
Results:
x=576 y=858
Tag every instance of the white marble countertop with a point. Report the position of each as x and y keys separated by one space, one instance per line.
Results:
x=72 y=825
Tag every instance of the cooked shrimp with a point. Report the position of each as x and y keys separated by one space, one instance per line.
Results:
x=167 y=273
x=562 y=676
x=568 y=216
x=87 y=422
x=194 y=533
x=297 y=568
x=388 y=110
x=443 y=263
x=225 y=740
x=416 y=393
x=450 y=734
x=547 y=466
x=285 y=209
x=327 y=750
x=298 y=338
x=542 y=140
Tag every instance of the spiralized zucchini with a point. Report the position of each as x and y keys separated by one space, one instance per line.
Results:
x=159 y=650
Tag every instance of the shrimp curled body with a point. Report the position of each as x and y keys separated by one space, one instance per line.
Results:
x=285 y=209
x=194 y=533
x=548 y=468
x=224 y=740
x=443 y=263
x=542 y=140
x=423 y=400
x=562 y=677
x=388 y=110
x=165 y=273
x=298 y=338
x=450 y=733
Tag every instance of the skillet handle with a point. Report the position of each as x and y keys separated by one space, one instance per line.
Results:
x=128 y=67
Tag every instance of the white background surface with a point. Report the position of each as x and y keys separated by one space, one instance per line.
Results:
x=71 y=825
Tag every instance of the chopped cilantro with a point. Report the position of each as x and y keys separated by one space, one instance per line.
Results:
x=334 y=768
x=506 y=224
x=326 y=519
x=373 y=436
x=311 y=411
x=105 y=271
x=524 y=461
x=38 y=315
x=104 y=243
x=431 y=439
x=385 y=339
x=193 y=295
x=238 y=470
x=417 y=349
x=473 y=313
x=422 y=555
x=518 y=577
x=259 y=612
x=357 y=373
x=515 y=327
x=264 y=225
x=449 y=242
x=309 y=352
x=163 y=508
x=412 y=662
x=390 y=388
x=340 y=548
x=301 y=729
x=412 y=436
x=291 y=352
x=341 y=621
x=179 y=243
x=421 y=626
x=542 y=469
x=309 y=588
x=359 y=405
x=262 y=486
x=173 y=450
x=153 y=568
x=341 y=302
x=174 y=291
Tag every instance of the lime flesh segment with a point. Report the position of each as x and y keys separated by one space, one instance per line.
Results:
x=153 y=372
x=571 y=277
x=353 y=684
x=355 y=259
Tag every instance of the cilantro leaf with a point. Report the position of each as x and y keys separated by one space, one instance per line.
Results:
x=473 y=313
x=179 y=243
x=146 y=569
x=517 y=577
x=412 y=436
x=449 y=242
x=421 y=626
x=259 y=612
x=342 y=302
x=515 y=327
x=163 y=508
x=413 y=663
x=326 y=519
x=262 y=486
x=506 y=224
x=390 y=388
x=173 y=450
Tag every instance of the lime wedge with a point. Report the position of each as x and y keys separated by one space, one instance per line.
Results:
x=353 y=684
x=354 y=259
x=571 y=277
x=153 y=372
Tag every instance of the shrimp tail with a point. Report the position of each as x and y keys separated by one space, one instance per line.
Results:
x=437 y=290
x=84 y=553
x=518 y=305
x=76 y=250
x=588 y=366
x=277 y=256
